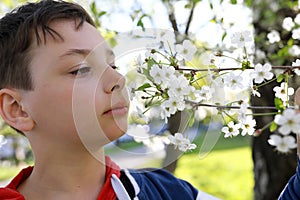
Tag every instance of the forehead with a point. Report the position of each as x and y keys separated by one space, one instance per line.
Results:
x=87 y=37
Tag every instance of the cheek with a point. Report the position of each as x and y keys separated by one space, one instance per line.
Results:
x=51 y=108
x=86 y=115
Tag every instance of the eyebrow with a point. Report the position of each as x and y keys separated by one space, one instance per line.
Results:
x=82 y=52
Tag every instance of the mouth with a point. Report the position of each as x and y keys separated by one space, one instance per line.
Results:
x=117 y=110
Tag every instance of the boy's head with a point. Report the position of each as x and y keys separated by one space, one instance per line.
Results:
x=57 y=76
x=24 y=25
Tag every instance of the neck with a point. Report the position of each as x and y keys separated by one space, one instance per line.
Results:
x=66 y=173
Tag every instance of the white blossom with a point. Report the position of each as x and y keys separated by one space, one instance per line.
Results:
x=183 y=144
x=179 y=87
x=296 y=34
x=168 y=73
x=243 y=109
x=247 y=126
x=149 y=54
x=241 y=38
x=178 y=104
x=259 y=54
x=294 y=64
x=131 y=90
x=273 y=36
x=289 y=122
x=294 y=50
x=283 y=92
x=157 y=143
x=171 y=106
x=254 y=90
x=282 y=144
x=288 y=23
x=167 y=39
x=208 y=59
x=204 y=93
x=262 y=72
x=216 y=81
x=297 y=19
x=156 y=73
x=233 y=81
x=231 y=129
x=141 y=65
x=140 y=133
x=165 y=113
x=186 y=50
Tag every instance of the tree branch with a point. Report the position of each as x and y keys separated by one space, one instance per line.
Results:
x=231 y=107
x=172 y=18
x=190 y=18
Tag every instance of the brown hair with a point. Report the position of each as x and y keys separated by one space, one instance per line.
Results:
x=21 y=26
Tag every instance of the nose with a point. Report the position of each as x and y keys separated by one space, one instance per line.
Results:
x=113 y=81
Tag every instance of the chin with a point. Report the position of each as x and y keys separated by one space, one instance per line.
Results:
x=116 y=132
x=114 y=128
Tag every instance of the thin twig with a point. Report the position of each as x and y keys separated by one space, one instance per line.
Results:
x=232 y=107
x=234 y=68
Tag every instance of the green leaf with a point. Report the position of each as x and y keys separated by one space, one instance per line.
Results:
x=140 y=22
x=273 y=127
x=112 y=41
x=96 y=14
x=196 y=1
x=146 y=85
x=223 y=36
x=280 y=78
x=213 y=20
x=290 y=42
x=249 y=3
x=188 y=5
x=93 y=8
x=100 y=14
x=234 y=1
x=278 y=103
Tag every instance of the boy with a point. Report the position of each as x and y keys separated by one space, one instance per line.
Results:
x=59 y=87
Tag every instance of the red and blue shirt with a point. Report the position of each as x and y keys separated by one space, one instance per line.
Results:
x=143 y=184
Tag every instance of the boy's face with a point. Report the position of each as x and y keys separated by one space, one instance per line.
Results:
x=76 y=89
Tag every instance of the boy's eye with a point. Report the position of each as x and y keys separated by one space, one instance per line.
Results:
x=81 y=71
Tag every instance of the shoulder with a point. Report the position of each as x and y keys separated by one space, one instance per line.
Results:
x=160 y=184
x=291 y=190
x=10 y=194
x=10 y=191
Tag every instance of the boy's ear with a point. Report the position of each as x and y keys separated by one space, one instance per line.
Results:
x=13 y=112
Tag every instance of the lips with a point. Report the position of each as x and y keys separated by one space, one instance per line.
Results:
x=117 y=109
